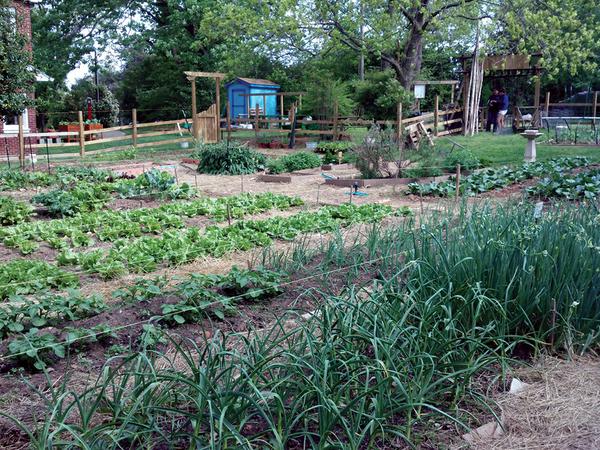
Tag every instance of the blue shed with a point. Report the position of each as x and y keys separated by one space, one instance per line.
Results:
x=244 y=92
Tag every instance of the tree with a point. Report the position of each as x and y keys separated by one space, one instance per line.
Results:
x=16 y=73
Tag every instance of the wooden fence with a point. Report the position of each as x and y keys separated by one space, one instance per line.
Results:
x=102 y=140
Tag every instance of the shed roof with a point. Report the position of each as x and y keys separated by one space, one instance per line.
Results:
x=255 y=81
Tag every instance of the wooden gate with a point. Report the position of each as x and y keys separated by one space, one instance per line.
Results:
x=208 y=125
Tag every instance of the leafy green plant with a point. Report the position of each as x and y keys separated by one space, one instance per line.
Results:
x=34 y=348
x=294 y=162
x=584 y=185
x=465 y=157
x=228 y=159
x=156 y=183
x=13 y=212
x=30 y=276
x=151 y=337
x=84 y=197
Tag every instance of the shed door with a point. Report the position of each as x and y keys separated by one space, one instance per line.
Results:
x=238 y=103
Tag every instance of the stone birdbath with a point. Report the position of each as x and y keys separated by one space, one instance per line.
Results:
x=530 y=148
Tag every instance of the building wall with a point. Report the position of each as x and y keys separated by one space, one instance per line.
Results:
x=9 y=139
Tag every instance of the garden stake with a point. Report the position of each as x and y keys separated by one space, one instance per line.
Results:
x=31 y=155
x=229 y=213
x=47 y=155
x=242 y=177
x=196 y=180
x=6 y=147
x=350 y=195
x=318 y=193
x=457 y=181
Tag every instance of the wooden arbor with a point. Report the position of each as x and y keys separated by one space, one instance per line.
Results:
x=505 y=66
x=212 y=117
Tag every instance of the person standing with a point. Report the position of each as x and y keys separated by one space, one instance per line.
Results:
x=493 y=108
x=502 y=108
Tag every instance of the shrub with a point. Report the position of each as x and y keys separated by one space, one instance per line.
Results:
x=377 y=151
x=465 y=157
x=293 y=162
x=224 y=159
x=334 y=147
x=13 y=211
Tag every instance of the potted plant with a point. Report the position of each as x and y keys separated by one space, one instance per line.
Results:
x=263 y=142
x=92 y=124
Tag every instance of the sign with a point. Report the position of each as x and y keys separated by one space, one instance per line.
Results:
x=419 y=91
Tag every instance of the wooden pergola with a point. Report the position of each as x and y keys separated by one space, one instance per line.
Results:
x=191 y=76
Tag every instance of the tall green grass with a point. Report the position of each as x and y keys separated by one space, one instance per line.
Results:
x=395 y=345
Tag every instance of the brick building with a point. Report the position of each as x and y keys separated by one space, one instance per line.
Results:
x=9 y=127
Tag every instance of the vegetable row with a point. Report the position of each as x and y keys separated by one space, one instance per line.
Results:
x=497 y=178
x=109 y=225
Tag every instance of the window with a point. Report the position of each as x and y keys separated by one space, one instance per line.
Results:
x=11 y=124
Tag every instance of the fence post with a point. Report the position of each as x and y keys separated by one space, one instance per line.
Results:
x=335 y=120
x=594 y=106
x=228 y=121
x=256 y=124
x=81 y=134
x=21 y=142
x=195 y=128
x=281 y=110
x=399 y=124
x=218 y=103
x=547 y=106
x=134 y=129
x=436 y=114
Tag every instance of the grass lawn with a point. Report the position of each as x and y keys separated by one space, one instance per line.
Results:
x=510 y=148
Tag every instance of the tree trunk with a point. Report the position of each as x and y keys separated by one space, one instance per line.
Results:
x=407 y=65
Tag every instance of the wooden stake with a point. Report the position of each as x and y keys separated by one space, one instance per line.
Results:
x=594 y=106
x=21 y=142
x=81 y=134
x=228 y=121
x=134 y=132
x=195 y=127
x=457 y=182
x=218 y=103
x=256 y=124
x=436 y=114
x=242 y=177
x=335 y=120
x=547 y=106
x=228 y=213
x=399 y=130
x=281 y=108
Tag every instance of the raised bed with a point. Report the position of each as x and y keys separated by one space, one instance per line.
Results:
x=350 y=182
x=275 y=178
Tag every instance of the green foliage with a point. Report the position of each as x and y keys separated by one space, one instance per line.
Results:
x=495 y=178
x=13 y=211
x=294 y=162
x=106 y=110
x=151 y=337
x=181 y=246
x=34 y=348
x=154 y=183
x=22 y=313
x=465 y=157
x=83 y=197
x=111 y=225
x=29 y=276
x=16 y=78
x=228 y=159
x=379 y=94
x=323 y=93
x=584 y=185
x=17 y=179
x=376 y=152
